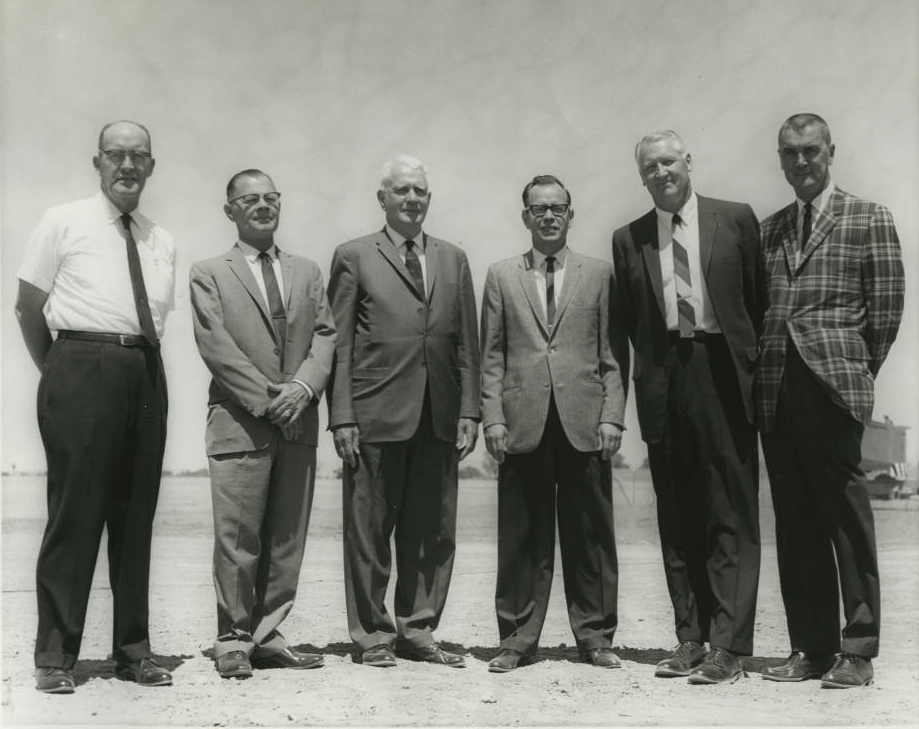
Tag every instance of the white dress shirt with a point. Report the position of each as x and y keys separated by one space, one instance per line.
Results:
x=818 y=204
x=77 y=256
x=251 y=254
x=706 y=320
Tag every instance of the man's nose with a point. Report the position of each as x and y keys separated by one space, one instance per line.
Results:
x=801 y=160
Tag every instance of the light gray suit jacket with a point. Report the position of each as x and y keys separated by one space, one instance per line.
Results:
x=524 y=361
x=238 y=344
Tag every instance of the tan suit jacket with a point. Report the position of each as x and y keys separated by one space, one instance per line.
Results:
x=237 y=341
x=524 y=361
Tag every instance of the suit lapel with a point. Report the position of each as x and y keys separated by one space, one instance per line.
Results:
x=708 y=228
x=240 y=268
x=787 y=235
x=430 y=263
x=528 y=283
x=825 y=222
x=388 y=250
x=573 y=273
x=287 y=277
x=646 y=233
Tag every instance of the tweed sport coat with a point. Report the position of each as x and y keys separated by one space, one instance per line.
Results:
x=841 y=305
x=524 y=361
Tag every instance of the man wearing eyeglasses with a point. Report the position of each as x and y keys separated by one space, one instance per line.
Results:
x=690 y=296
x=99 y=274
x=265 y=331
x=403 y=411
x=552 y=414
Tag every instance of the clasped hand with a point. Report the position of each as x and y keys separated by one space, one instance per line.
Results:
x=286 y=408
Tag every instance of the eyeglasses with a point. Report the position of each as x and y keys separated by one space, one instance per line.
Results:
x=540 y=210
x=117 y=156
x=271 y=199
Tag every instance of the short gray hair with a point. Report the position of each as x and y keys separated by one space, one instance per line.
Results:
x=799 y=122
x=664 y=134
x=400 y=160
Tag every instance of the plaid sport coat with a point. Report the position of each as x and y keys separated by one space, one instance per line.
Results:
x=841 y=305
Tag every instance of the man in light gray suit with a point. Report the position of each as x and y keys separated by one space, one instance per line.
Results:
x=265 y=331
x=552 y=412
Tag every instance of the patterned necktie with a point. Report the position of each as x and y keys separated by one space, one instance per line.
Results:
x=137 y=285
x=275 y=303
x=550 y=290
x=685 y=313
x=414 y=266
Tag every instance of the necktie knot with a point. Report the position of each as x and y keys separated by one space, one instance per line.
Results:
x=550 y=263
x=126 y=221
x=807 y=224
x=677 y=220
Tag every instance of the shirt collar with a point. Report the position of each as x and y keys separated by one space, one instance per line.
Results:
x=398 y=240
x=251 y=253
x=539 y=258
x=113 y=215
x=819 y=202
x=688 y=213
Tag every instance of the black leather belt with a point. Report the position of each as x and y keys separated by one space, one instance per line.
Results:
x=122 y=340
x=697 y=336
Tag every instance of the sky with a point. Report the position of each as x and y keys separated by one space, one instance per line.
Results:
x=319 y=94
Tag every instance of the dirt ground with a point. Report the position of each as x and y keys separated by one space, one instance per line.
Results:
x=556 y=690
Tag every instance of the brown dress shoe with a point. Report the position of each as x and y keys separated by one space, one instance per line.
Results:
x=849 y=671
x=798 y=667
x=685 y=657
x=289 y=658
x=234 y=664
x=380 y=656
x=146 y=672
x=431 y=653
x=719 y=666
x=601 y=657
x=507 y=660
x=51 y=680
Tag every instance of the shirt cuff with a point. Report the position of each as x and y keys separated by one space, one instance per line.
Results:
x=309 y=390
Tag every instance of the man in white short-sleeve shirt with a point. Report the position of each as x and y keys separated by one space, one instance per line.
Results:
x=100 y=275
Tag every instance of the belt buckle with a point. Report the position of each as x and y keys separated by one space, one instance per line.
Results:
x=123 y=340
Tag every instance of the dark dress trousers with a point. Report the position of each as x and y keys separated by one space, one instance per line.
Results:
x=694 y=399
x=406 y=369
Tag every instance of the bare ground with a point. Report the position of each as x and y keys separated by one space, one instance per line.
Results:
x=556 y=690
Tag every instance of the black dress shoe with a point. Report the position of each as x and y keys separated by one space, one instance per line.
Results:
x=146 y=672
x=798 y=667
x=431 y=653
x=685 y=657
x=380 y=656
x=234 y=664
x=601 y=657
x=507 y=660
x=719 y=666
x=52 y=680
x=289 y=658
x=849 y=671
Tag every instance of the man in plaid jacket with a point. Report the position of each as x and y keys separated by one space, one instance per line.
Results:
x=835 y=282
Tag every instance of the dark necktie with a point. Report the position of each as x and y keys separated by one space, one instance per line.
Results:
x=686 y=315
x=275 y=303
x=807 y=226
x=550 y=290
x=414 y=266
x=137 y=285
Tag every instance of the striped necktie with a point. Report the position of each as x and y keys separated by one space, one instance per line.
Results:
x=685 y=313
x=413 y=264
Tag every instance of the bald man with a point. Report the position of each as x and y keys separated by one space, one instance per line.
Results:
x=100 y=275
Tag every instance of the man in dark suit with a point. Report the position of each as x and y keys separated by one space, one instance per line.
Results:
x=690 y=297
x=265 y=331
x=835 y=282
x=552 y=408
x=99 y=274
x=404 y=410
